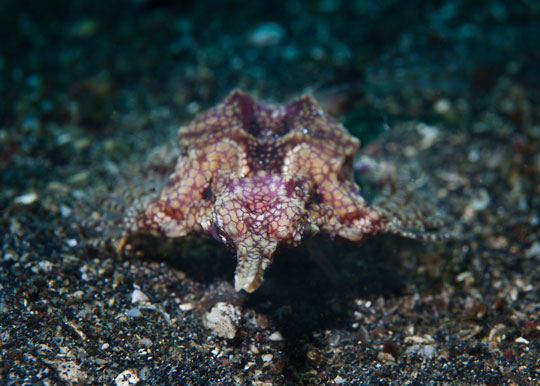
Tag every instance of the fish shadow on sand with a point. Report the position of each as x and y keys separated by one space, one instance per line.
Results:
x=308 y=289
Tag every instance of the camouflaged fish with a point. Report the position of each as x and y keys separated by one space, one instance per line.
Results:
x=257 y=175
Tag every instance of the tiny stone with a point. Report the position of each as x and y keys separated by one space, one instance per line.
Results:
x=69 y=371
x=133 y=313
x=86 y=272
x=82 y=143
x=267 y=34
x=425 y=351
x=513 y=293
x=482 y=201
x=222 y=320
x=144 y=373
x=474 y=156
x=137 y=296
x=45 y=266
x=78 y=178
x=72 y=243
x=522 y=340
x=126 y=378
x=385 y=357
x=410 y=151
x=534 y=250
x=26 y=199
x=276 y=337
x=65 y=211
x=267 y=357
x=186 y=306
x=193 y=107
x=146 y=342
x=338 y=380
x=63 y=139
x=466 y=277
x=429 y=135
x=419 y=339
x=442 y=106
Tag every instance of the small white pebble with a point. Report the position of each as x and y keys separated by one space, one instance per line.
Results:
x=276 y=337
x=126 y=378
x=429 y=135
x=522 y=340
x=86 y=272
x=419 y=339
x=72 y=242
x=425 y=351
x=137 y=296
x=513 y=293
x=146 y=342
x=222 y=320
x=534 y=250
x=69 y=372
x=385 y=357
x=65 y=211
x=193 y=107
x=481 y=201
x=133 y=313
x=338 y=380
x=63 y=139
x=186 y=306
x=78 y=178
x=365 y=163
x=45 y=266
x=466 y=277
x=26 y=199
x=144 y=374
x=105 y=346
x=474 y=156
x=442 y=106
x=267 y=357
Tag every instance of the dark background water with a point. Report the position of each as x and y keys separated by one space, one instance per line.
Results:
x=128 y=68
x=145 y=54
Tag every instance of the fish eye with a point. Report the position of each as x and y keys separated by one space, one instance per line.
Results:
x=220 y=235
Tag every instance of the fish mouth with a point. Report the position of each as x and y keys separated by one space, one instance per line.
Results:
x=250 y=267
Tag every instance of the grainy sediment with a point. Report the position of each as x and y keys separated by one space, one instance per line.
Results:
x=92 y=99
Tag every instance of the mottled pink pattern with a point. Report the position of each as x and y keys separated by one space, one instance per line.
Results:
x=256 y=175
